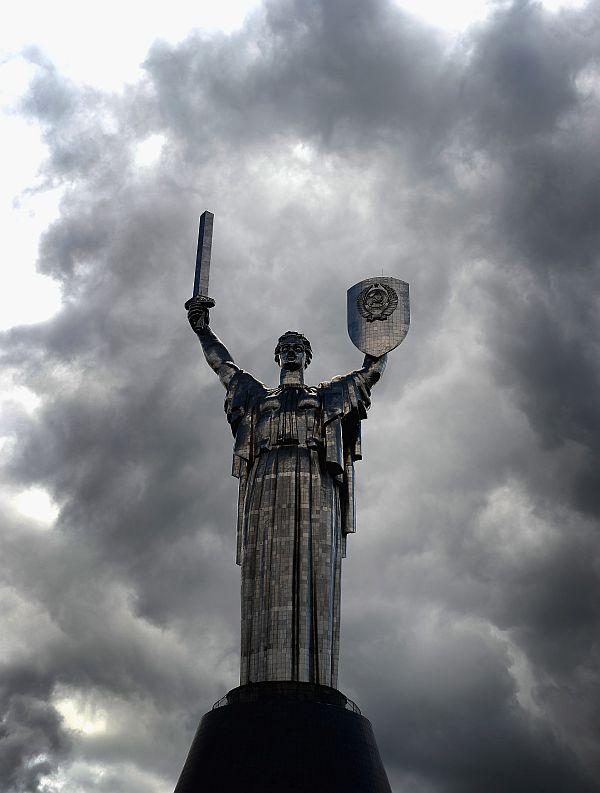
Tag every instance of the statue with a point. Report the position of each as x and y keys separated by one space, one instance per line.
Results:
x=294 y=452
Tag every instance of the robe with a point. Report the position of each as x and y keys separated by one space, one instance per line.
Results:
x=294 y=453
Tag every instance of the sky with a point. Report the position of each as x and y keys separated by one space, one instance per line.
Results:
x=454 y=146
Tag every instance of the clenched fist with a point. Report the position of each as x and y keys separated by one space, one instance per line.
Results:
x=197 y=312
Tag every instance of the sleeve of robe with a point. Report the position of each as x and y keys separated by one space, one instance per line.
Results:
x=345 y=402
x=243 y=392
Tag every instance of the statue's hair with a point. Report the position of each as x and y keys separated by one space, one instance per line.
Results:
x=293 y=334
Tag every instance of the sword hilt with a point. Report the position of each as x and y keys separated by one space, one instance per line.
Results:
x=197 y=308
x=205 y=300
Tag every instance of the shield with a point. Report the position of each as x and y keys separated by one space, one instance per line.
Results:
x=378 y=314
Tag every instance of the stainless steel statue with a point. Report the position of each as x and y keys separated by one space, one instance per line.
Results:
x=294 y=452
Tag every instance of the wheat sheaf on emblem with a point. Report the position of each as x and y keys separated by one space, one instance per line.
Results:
x=377 y=301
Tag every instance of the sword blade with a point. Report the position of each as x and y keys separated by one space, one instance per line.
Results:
x=203 y=254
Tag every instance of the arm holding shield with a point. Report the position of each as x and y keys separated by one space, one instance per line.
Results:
x=373 y=367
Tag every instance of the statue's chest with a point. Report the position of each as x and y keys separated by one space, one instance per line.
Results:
x=288 y=416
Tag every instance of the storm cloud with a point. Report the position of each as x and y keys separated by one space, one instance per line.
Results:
x=332 y=140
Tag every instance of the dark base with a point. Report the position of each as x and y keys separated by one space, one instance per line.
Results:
x=284 y=738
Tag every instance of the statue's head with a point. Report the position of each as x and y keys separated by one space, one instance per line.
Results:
x=293 y=351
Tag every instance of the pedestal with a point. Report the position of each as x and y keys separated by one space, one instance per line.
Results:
x=284 y=737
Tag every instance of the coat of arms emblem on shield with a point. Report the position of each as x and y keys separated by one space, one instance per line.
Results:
x=377 y=301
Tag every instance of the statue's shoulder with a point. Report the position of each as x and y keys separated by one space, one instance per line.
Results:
x=243 y=392
x=337 y=383
x=244 y=381
x=331 y=393
x=344 y=394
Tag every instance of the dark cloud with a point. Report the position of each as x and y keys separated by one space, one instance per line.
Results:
x=330 y=139
x=307 y=70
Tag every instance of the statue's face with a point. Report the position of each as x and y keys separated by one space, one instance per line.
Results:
x=292 y=354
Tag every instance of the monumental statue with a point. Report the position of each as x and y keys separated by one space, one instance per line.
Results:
x=294 y=450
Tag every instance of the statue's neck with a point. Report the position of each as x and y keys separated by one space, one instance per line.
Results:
x=291 y=377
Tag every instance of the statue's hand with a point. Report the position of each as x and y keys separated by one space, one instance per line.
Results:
x=373 y=367
x=197 y=312
x=371 y=359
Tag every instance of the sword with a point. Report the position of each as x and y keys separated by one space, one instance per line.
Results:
x=202 y=273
